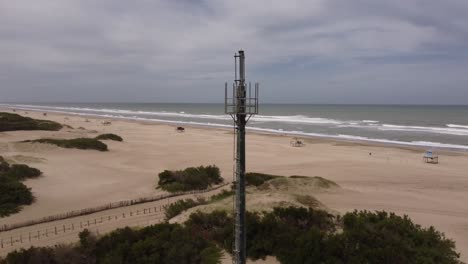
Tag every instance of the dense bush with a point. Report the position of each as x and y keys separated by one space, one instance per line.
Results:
x=193 y=178
x=12 y=122
x=13 y=193
x=298 y=235
x=178 y=207
x=76 y=143
x=257 y=179
x=109 y=137
x=293 y=235
x=21 y=172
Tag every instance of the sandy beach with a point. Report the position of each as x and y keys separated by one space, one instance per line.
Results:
x=372 y=177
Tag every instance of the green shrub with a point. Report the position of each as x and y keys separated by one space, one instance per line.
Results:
x=178 y=207
x=12 y=122
x=109 y=137
x=299 y=235
x=257 y=179
x=13 y=193
x=76 y=143
x=293 y=235
x=193 y=178
x=221 y=196
x=21 y=172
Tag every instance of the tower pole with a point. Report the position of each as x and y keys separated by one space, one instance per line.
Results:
x=240 y=228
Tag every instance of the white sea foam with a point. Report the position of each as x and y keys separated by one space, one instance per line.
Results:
x=451 y=129
x=437 y=130
x=457 y=126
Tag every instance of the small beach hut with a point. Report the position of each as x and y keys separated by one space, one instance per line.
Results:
x=430 y=157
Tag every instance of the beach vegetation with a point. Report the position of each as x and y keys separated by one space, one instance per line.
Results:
x=180 y=206
x=13 y=193
x=109 y=136
x=13 y=122
x=257 y=179
x=76 y=143
x=189 y=179
x=292 y=235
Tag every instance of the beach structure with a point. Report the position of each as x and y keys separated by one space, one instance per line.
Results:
x=241 y=103
x=295 y=142
x=430 y=157
x=180 y=129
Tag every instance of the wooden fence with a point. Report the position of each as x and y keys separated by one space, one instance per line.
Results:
x=87 y=211
x=95 y=224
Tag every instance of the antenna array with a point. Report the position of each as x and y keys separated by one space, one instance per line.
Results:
x=241 y=103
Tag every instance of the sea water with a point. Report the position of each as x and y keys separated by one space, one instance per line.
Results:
x=415 y=125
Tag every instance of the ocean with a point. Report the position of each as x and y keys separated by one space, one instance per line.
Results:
x=413 y=125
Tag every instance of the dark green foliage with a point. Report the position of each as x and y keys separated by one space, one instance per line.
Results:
x=257 y=179
x=293 y=235
x=162 y=243
x=12 y=122
x=178 y=207
x=21 y=172
x=13 y=193
x=387 y=238
x=4 y=166
x=76 y=143
x=193 y=178
x=298 y=235
x=109 y=137
x=32 y=255
x=221 y=196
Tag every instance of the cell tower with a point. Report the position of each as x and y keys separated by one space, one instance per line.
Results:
x=241 y=103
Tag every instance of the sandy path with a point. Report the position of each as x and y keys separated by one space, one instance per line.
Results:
x=392 y=178
x=66 y=231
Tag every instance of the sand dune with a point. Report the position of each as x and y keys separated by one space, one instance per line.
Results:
x=392 y=178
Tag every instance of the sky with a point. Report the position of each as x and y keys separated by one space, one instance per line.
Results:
x=307 y=51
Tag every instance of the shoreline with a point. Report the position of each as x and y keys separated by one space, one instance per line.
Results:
x=393 y=178
x=260 y=131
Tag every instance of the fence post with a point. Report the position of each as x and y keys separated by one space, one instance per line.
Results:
x=109 y=217
x=130 y=213
x=1 y=242
x=73 y=226
x=81 y=225
x=138 y=212
x=95 y=221
x=56 y=230
x=29 y=236
x=123 y=215
x=88 y=222
x=38 y=234
x=21 y=238
x=47 y=232
x=101 y=219
x=64 y=228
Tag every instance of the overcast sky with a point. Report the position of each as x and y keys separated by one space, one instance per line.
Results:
x=311 y=51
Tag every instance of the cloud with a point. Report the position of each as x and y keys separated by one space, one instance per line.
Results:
x=181 y=50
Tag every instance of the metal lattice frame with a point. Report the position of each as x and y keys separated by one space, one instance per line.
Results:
x=241 y=103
